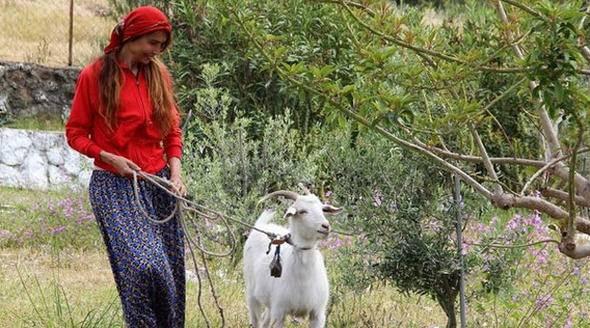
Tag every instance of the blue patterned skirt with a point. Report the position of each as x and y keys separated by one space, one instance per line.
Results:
x=147 y=258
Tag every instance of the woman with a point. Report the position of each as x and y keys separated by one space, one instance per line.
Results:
x=125 y=117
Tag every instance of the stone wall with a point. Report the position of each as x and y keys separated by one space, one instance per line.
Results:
x=40 y=160
x=28 y=90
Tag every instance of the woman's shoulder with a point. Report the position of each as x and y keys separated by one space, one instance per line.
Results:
x=92 y=70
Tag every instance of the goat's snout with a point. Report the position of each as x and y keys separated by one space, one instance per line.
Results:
x=325 y=228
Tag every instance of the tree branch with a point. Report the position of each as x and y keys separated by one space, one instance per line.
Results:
x=582 y=184
x=546 y=124
x=581 y=40
x=351 y=114
x=352 y=4
x=525 y=8
x=433 y=53
x=546 y=167
x=507 y=201
x=564 y=196
x=477 y=159
x=486 y=159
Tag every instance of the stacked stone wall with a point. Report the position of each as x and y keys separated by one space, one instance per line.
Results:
x=40 y=160
x=29 y=90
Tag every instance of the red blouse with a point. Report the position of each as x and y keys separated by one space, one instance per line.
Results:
x=136 y=137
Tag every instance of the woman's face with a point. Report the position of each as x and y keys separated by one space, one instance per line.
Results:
x=146 y=47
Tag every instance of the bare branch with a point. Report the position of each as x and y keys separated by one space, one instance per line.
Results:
x=525 y=8
x=486 y=160
x=506 y=201
x=546 y=124
x=352 y=4
x=564 y=196
x=580 y=251
x=546 y=167
x=478 y=159
x=582 y=184
x=581 y=40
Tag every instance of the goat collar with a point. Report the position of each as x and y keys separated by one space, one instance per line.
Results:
x=287 y=239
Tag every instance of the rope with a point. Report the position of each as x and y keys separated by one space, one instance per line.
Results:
x=187 y=206
x=513 y=246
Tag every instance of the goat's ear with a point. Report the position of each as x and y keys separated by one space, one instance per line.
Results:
x=290 y=212
x=331 y=210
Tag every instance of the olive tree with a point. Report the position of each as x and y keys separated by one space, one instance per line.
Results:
x=495 y=92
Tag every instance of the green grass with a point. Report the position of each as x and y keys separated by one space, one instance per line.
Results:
x=37 y=31
x=46 y=219
x=64 y=280
x=37 y=123
x=84 y=283
x=71 y=270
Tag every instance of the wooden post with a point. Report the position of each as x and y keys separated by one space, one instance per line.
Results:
x=71 y=34
x=459 y=227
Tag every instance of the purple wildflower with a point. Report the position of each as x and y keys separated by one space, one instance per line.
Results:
x=541 y=256
x=335 y=242
x=58 y=230
x=5 y=234
x=576 y=271
x=465 y=248
x=515 y=223
x=543 y=302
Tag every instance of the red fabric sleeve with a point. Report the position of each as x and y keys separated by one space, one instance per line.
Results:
x=173 y=141
x=81 y=120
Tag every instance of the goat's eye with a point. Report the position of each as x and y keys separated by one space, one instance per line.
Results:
x=301 y=212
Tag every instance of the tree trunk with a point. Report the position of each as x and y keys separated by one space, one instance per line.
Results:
x=447 y=303
x=449 y=308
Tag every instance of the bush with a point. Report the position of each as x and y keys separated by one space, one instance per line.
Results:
x=403 y=209
x=227 y=168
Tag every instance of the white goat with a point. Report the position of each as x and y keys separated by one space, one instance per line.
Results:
x=303 y=289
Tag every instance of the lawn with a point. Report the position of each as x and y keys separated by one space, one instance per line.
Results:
x=54 y=273
x=37 y=31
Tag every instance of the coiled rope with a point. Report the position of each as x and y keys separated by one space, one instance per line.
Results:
x=184 y=205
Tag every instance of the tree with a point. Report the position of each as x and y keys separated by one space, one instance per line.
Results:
x=442 y=92
x=405 y=210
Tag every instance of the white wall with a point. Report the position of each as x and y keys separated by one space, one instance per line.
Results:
x=40 y=160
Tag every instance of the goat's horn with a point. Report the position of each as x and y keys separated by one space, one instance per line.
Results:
x=285 y=193
x=304 y=188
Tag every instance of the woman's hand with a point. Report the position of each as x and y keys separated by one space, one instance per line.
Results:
x=124 y=166
x=175 y=179
x=178 y=185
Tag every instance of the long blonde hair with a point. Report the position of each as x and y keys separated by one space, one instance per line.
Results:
x=159 y=86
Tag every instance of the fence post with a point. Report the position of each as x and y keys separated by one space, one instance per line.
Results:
x=71 y=34
x=584 y=210
x=459 y=228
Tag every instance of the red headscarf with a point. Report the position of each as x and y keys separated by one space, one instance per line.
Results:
x=140 y=21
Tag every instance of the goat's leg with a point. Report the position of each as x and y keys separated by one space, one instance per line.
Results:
x=317 y=319
x=277 y=317
x=254 y=311
x=265 y=319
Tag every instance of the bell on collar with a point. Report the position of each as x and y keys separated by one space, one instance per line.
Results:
x=275 y=266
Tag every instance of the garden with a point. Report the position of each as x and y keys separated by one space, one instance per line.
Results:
x=378 y=107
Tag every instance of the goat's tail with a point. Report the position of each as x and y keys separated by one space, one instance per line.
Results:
x=265 y=217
